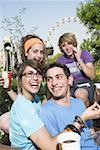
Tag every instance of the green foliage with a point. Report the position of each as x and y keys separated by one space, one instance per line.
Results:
x=53 y=58
x=14 y=85
x=5 y=100
x=86 y=44
x=97 y=73
x=43 y=91
x=89 y=15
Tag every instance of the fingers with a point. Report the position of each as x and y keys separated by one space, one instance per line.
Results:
x=92 y=112
x=75 y=49
x=96 y=109
x=77 y=53
x=96 y=106
x=98 y=101
x=1 y=81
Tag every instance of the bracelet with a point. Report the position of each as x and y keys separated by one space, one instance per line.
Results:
x=80 y=121
x=7 y=89
x=80 y=61
x=71 y=128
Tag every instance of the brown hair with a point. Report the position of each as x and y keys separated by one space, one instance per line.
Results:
x=32 y=63
x=67 y=37
x=57 y=64
x=23 y=41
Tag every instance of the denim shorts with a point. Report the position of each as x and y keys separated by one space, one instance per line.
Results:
x=88 y=85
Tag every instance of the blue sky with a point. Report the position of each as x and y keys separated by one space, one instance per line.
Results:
x=44 y=14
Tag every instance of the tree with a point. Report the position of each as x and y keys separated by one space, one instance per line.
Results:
x=16 y=30
x=89 y=15
x=15 y=26
x=53 y=58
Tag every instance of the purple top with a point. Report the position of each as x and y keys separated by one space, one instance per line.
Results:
x=74 y=67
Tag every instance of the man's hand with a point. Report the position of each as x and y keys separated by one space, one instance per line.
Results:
x=92 y=112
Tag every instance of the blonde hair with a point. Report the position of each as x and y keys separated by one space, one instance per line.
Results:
x=67 y=37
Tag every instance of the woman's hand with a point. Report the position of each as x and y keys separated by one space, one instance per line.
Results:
x=92 y=112
x=1 y=81
x=77 y=53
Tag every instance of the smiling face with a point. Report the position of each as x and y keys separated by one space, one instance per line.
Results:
x=67 y=49
x=66 y=43
x=57 y=82
x=36 y=52
x=30 y=82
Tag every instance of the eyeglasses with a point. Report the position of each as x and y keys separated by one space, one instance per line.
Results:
x=32 y=74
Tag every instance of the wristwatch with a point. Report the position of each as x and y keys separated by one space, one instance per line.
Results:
x=80 y=61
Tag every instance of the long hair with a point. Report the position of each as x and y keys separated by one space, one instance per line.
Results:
x=31 y=63
x=23 y=41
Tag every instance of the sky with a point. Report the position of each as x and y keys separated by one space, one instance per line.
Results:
x=47 y=16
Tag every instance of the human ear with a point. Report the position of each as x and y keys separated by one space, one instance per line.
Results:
x=70 y=80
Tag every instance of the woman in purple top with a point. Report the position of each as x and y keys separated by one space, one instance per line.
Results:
x=80 y=63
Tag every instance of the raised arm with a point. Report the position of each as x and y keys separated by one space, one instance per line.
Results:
x=88 y=68
x=92 y=112
x=43 y=139
x=12 y=94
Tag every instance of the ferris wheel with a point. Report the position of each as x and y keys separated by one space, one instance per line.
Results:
x=68 y=22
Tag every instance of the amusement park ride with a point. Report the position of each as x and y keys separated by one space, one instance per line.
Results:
x=9 y=50
x=54 y=28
